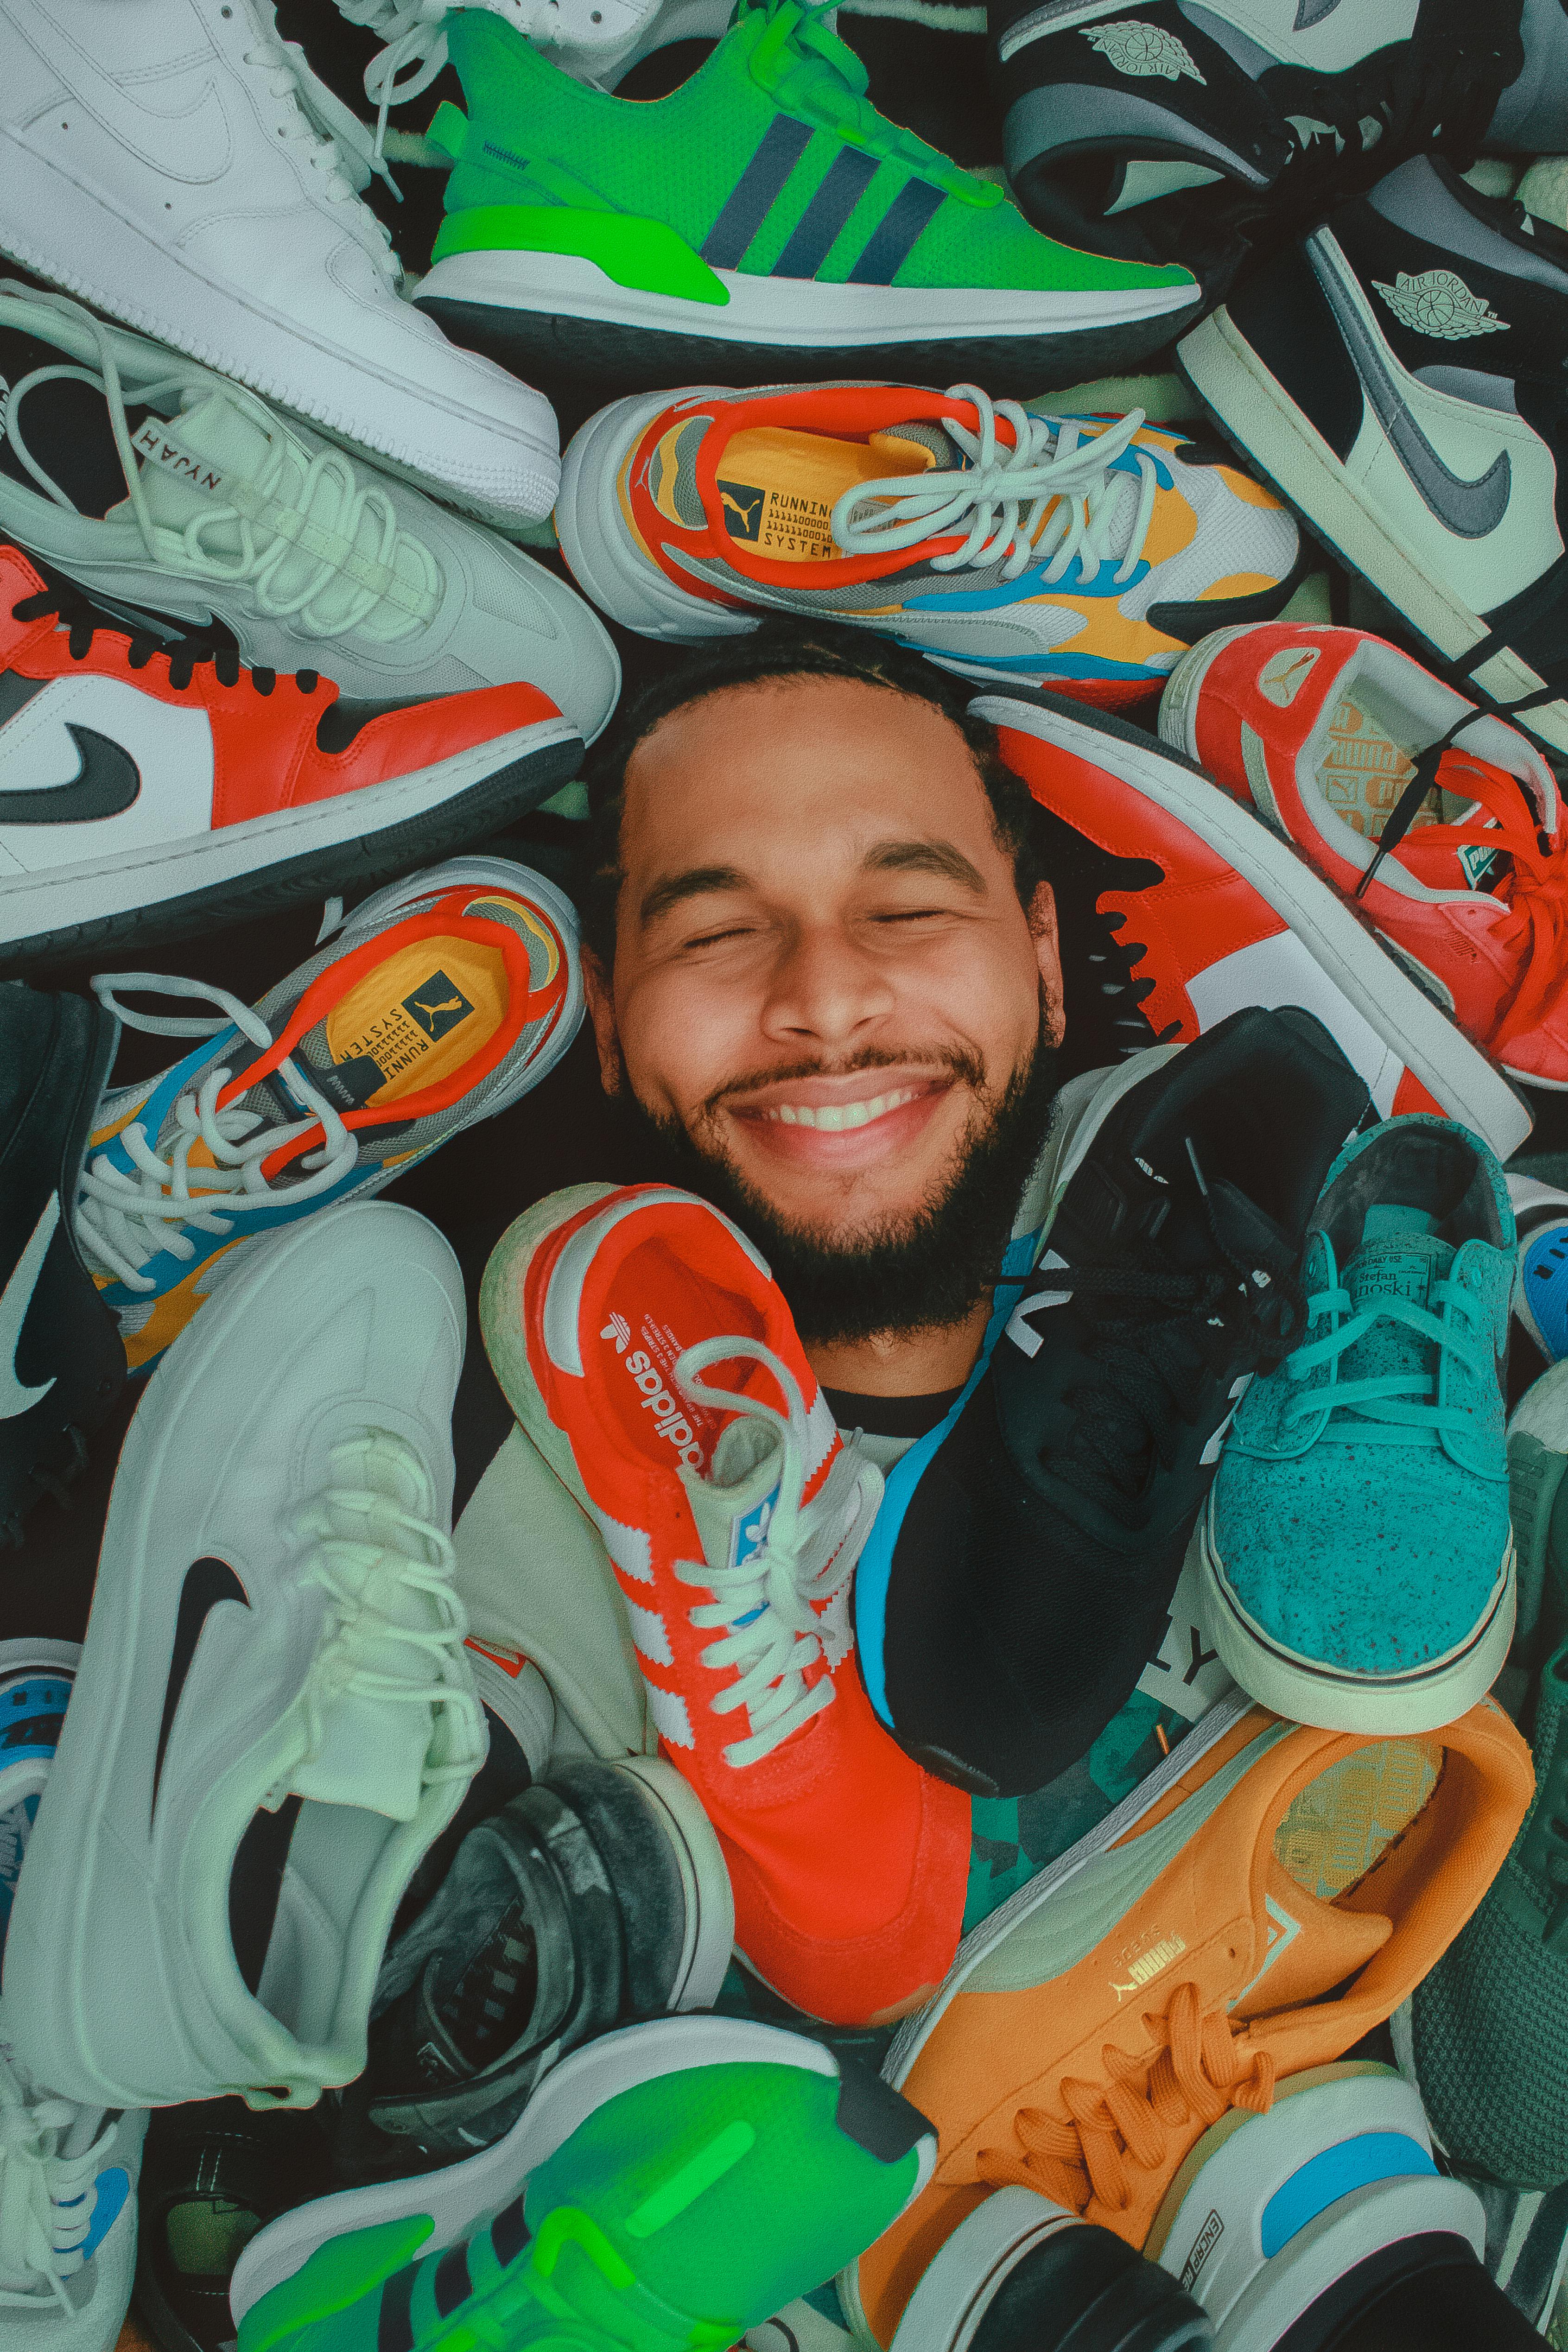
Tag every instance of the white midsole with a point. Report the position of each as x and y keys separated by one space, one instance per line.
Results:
x=68 y=234
x=455 y=2197
x=1454 y=1073
x=1378 y=1706
x=1224 y=369
x=58 y=898
x=788 y=312
x=600 y=554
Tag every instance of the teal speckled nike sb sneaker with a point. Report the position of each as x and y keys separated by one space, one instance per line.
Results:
x=1357 y=1562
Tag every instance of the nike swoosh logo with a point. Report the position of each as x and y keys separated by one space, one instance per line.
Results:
x=106 y=784
x=192 y=145
x=15 y=1396
x=1312 y=12
x=1470 y=509
x=209 y=1582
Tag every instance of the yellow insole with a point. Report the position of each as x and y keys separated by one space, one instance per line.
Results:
x=778 y=487
x=421 y=1014
x=1343 y=1822
x=1364 y=770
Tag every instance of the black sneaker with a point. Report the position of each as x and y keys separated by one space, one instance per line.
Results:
x=1027 y=1584
x=598 y=1896
x=1019 y=2274
x=1400 y=376
x=61 y=1362
x=213 y=2174
x=1188 y=131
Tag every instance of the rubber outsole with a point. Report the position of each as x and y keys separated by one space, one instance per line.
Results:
x=332 y=869
x=619 y=578
x=705 y=1882
x=621 y=358
x=1260 y=420
x=1377 y=1706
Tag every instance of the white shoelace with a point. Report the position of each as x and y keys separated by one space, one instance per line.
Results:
x=378 y=1563
x=772 y=1633
x=292 y=506
x=416 y=48
x=46 y=2198
x=123 y=1220
x=340 y=148
x=1002 y=499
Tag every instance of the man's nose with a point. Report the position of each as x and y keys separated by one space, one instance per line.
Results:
x=825 y=985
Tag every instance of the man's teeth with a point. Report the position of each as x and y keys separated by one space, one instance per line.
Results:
x=832 y=1118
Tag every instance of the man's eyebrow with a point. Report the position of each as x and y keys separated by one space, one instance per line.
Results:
x=696 y=882
x=937 y=857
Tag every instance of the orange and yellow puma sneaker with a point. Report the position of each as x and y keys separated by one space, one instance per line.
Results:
x=647 y=1352
x=441 y=1001
x=1251 y=1910
x=1085 y=553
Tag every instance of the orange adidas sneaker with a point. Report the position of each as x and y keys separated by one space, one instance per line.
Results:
x=648 y=1354
x=1252 y=1909
x=441 y=1001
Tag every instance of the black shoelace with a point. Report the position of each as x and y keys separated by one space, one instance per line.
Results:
x=1415 y=104
x=185 y=653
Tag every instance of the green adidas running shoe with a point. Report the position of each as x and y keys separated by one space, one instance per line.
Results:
x=1485 y=2034
x=667 y=2188
x=761 y=223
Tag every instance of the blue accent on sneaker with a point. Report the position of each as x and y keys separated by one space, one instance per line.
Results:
x=1544 y=1288
x=113 y=2187
x=1359 y=1522
x=1333 y=2173
x=874 y=1569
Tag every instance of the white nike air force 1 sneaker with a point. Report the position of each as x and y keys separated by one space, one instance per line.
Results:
x=1399 y=377
x=275 y=1716
x=172 y=492
x=177 y=164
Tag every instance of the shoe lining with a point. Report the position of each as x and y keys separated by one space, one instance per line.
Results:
x=778 y=487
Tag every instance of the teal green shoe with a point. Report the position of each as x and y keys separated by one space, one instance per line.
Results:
x=1487 y=2030
x=669 y=2187
x=1358 y=1568
x=761 y=223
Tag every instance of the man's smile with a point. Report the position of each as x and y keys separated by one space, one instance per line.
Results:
x=841 y=1122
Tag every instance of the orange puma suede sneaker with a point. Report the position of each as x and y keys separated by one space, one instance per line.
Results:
x=1257 y=1904
x=734 y=1519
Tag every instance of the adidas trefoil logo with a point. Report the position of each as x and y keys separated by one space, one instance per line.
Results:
x=1437 y=303
x=1142 y=49
x=618 y=1330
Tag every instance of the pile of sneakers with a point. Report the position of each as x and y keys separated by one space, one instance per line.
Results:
x=611 y=1914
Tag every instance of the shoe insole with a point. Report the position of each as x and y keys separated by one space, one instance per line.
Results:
x=778 y=487
x=412 y=1020
x=1364 y=770
x=1342 y=1825
x=65 y=425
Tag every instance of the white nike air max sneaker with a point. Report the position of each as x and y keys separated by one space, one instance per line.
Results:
x=67 y=2173
x=176 y=163
x=275 y=1715
x=158 y=485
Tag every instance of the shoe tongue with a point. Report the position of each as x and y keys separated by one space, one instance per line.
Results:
x=196 y=467
x=733 y=1504
x=1399 y=1258
x=919 y=446
x=1313 y=1946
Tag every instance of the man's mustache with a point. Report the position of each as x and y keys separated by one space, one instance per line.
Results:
x=966 y=1066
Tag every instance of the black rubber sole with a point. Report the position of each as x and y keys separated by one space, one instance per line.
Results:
x=580 y=364
x=341 y=868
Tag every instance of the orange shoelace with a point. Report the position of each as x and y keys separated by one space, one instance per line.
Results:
x=1198 y=2075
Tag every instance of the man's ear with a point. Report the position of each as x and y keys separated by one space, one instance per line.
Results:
x=600 y=993
x=1043 y=931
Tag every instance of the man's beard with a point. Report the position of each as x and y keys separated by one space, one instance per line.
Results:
x=922 y=1271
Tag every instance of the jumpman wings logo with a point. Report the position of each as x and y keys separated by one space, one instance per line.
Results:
x=743 y=504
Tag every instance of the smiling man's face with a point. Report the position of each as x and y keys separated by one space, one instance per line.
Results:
x=823 y=978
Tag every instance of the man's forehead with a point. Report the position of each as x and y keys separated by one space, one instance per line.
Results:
x=834 y=765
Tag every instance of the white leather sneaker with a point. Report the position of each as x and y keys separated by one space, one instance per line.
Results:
x=168 y=490
x=275 y=1716
x=177 y=164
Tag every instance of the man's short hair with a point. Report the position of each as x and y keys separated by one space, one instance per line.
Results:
x=778 y=650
